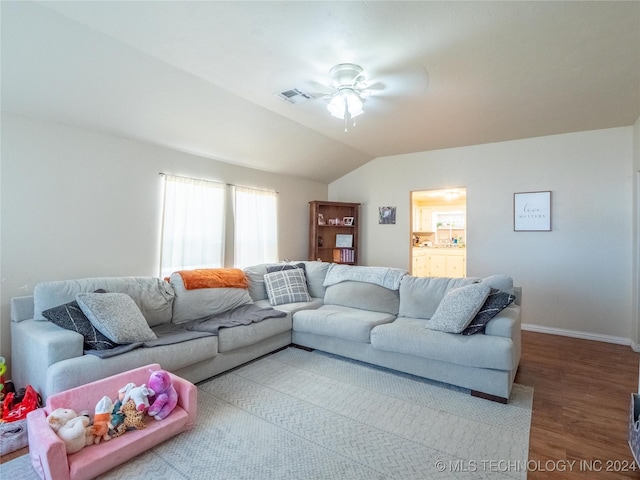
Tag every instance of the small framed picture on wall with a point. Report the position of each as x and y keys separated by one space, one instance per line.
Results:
x=387 y=215
x=532 y=211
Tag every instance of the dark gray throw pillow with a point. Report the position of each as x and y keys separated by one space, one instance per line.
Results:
x=494 y=304
x=70 y=317
x=285 y=266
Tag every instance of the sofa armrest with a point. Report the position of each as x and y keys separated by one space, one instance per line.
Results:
x=506 y=323
x=46 y=450
x=187 y=397
x=36 y=345
x=22 y=308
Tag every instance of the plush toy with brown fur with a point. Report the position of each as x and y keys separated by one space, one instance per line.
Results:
x=133 y=418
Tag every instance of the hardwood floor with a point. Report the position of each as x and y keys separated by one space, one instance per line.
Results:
x=582 y=391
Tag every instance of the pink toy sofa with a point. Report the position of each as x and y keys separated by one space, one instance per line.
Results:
x=47 y=451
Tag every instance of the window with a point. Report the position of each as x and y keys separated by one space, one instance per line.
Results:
x=255 y=226
x=193 y=224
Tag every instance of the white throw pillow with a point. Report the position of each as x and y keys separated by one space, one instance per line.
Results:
x=458 y=307
x=116 y=316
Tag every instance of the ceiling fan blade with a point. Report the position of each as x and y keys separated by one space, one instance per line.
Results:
x=407 y=81
x=317 y=89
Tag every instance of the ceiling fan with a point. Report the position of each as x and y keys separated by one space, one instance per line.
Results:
x=347 y=87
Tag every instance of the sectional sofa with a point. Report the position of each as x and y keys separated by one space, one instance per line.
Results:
x=378 y=315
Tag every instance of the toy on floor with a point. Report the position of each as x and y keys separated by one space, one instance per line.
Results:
x=165 y=398
x=73 y=429
x=102 y=420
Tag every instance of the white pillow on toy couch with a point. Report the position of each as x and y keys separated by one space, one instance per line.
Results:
x=458 y=308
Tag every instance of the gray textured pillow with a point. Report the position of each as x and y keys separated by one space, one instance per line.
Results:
x=458 y=307
x=116 y=316
x=287 y=286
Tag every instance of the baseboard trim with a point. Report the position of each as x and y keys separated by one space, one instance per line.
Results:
x=583 y=335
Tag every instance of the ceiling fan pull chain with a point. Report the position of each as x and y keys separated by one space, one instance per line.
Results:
x=346 y=114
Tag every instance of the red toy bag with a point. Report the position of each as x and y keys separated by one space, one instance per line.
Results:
x=17 y=408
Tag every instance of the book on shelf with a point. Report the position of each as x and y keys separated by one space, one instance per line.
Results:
x=343 y=255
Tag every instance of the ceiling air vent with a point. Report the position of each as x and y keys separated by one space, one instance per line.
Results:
x=294 y=96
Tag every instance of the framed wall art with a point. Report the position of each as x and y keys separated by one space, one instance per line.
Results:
x=532 y=211
x=387 y=215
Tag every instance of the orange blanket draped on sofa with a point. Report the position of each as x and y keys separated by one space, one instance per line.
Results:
x=213 y=278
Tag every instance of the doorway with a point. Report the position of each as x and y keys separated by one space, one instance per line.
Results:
x=439 y=232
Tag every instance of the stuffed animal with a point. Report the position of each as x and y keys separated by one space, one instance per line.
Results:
x=133 y=418
x=102 y=420
x=140 y=395
x=71 y=428
x=165 y=398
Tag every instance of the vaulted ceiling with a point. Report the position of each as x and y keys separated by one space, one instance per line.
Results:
x=200 y=76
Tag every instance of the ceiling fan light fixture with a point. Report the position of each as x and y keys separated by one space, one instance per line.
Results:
x=345 y=104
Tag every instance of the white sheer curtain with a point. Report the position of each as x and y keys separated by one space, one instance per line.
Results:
x=193 y=224
x=256 y=226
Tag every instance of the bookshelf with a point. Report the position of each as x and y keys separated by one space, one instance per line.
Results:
x=333 y=231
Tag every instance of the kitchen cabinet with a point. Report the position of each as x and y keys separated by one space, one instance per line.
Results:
x=420 y=263
x=456 y=266
x=422 y=219
x=439 y=262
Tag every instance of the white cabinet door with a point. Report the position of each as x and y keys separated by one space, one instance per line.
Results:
x=437 y=265
x=455 y=266
x=426 y=219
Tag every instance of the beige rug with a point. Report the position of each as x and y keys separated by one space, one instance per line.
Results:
x=310 y=415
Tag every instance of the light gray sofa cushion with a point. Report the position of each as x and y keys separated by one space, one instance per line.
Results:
x=255 y=277
x=458 y=307
x=202 y=302
x=153 y=296
x=409 y=336
x=116 y=316
x=420 y=296
x=500 y=282
x=314 y=271
x=364 y=296
x=246 y=335
x=339 y=321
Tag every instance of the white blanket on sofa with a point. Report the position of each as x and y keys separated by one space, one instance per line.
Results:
x=387 y=277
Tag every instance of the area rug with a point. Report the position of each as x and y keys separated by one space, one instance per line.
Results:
x=310 y=415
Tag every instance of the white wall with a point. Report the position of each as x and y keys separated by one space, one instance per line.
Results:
x=577 y=277
x=77 y=203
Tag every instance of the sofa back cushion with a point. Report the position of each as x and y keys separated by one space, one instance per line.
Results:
x=153 y=296
x=363 y=295
x=420 y=296
x=314 y=271
x=203 y=302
